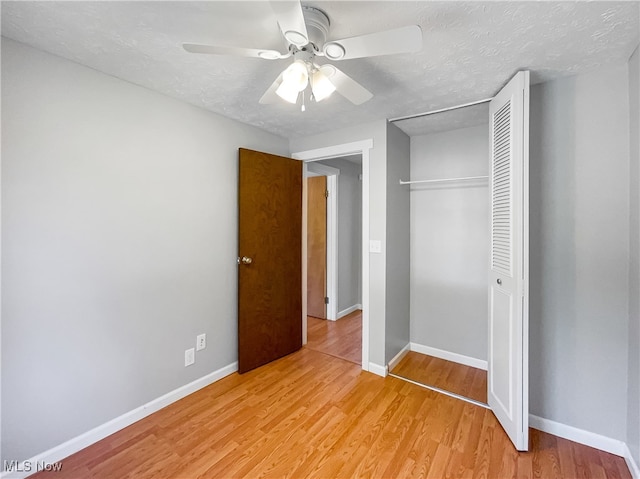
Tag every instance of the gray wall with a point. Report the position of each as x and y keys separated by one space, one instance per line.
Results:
x=450 y=242
x=377 y=131
x=633 y=400
x=579 y=251
x=397 y=290
x=119 y=239
x=349 y=232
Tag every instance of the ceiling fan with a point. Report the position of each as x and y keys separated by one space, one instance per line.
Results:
x=306 y=30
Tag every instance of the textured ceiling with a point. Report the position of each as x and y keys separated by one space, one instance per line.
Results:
x=470 y=50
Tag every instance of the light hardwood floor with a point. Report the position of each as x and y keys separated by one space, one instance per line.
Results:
x=456 y=378
x=341 y=338
x=313 y=415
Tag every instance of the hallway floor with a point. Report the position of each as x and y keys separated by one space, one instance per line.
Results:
x=341 y=338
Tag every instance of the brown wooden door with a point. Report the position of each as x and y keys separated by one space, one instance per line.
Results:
x=270 y=242
x=316 y=246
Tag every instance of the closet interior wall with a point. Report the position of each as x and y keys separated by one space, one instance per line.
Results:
x=449 y=244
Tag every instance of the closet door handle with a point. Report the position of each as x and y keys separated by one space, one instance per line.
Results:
x=499 y=281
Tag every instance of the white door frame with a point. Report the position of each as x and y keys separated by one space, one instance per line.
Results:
x=359 y=147
x=311 y=169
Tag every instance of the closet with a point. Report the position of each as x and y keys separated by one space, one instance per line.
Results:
x=469 y=250
x=449 y=248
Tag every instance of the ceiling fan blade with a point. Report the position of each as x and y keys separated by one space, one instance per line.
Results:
x=236 y=51
x=270 y=96
x=291 y=21
x=346 y=86
x=398 y=40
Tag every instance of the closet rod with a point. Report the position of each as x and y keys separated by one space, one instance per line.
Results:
x=442 y=110
x=444 y=179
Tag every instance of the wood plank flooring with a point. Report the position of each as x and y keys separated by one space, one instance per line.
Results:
x=453 y=377
x=341 y=338
x=313 y=415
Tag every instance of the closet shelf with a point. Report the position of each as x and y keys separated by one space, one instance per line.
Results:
x=442 y=180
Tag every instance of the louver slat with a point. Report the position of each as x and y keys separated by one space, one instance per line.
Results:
x=501 y=207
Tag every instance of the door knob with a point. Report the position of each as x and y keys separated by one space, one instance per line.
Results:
x=499 y=281
x=246 y=260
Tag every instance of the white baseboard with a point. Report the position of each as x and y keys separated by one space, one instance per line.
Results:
x=377 y=369
x=449 y=356
x=631 y=463
x=398 y=357
x=349 y=310
x=57 y=453
x=607 y=444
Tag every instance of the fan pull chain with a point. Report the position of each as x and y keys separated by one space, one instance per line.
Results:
x=303 y=107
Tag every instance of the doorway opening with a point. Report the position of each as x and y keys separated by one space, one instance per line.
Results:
x=360 y=149
x=334 y=256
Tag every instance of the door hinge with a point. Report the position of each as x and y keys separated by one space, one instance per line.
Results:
x=326 y=193
x=326 y=300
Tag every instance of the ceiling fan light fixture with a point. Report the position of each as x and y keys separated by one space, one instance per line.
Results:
x=288 y=92
x=321 y=86
x=296 y=75
x=333 y=51
x=328 y=70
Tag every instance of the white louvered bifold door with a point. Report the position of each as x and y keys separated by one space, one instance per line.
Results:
x=508 y=381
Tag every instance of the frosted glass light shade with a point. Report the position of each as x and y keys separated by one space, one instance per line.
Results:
x=296 y=75
x=288 y=92
x=321 y=86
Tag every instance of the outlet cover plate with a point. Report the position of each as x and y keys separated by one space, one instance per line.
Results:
x=201 y=341
x=189 y=357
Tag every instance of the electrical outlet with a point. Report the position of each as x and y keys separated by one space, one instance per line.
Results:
x=201 y=341
x=189 y=357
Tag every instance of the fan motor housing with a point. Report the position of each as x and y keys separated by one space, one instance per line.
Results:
x=317 y=23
